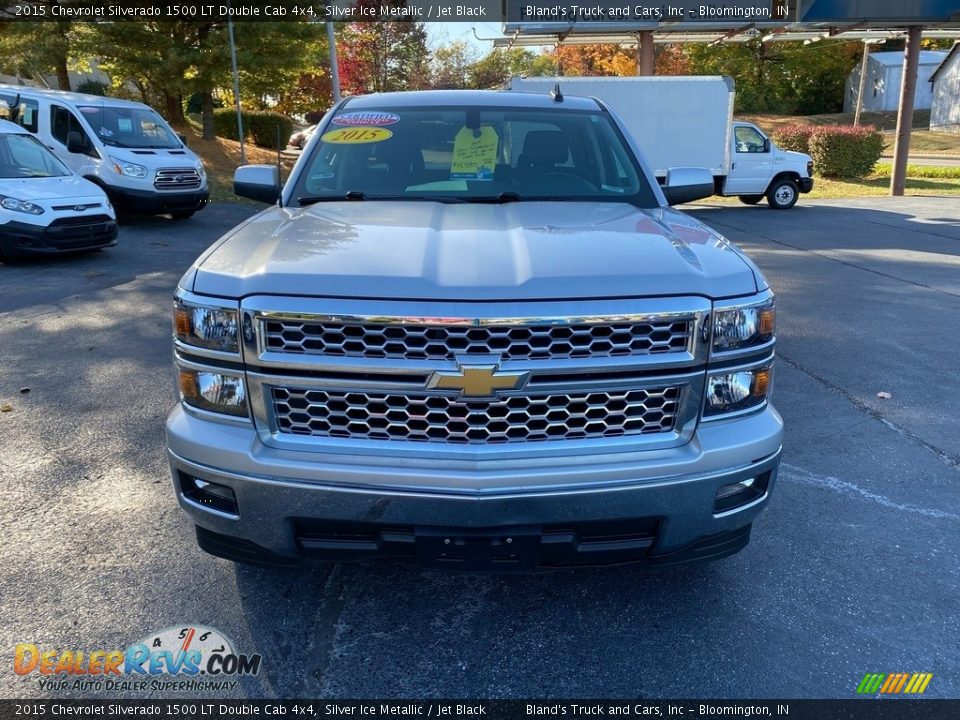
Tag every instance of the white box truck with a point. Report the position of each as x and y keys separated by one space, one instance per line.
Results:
x=688 y=122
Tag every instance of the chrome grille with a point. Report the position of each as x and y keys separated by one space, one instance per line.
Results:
x=451 y=419
x=411 y=341
x=177 y=179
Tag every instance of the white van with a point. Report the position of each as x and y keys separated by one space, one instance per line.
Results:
x=124 y=147
x=44 y=207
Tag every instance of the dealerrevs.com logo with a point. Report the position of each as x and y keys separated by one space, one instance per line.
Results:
x=189 y=658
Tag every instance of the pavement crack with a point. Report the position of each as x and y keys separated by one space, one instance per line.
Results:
x=798 y=474
x=947 y=458
x=328 y=627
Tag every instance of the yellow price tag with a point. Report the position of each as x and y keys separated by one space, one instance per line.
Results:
x=474 y=158
x=353 y=135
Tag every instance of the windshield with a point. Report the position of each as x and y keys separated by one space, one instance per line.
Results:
x=23 y=156
x=130 y=127
x=473 y=154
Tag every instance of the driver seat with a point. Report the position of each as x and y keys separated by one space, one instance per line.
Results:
x=543 y=150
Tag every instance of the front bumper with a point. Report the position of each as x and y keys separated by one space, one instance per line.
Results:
x=805 y=184
x=293 y=506
x=63 y=235
x=154 y=202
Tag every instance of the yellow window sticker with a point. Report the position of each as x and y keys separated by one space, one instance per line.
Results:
x=474 y=154
x=352 y=135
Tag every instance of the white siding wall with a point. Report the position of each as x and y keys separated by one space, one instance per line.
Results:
x=945 y=112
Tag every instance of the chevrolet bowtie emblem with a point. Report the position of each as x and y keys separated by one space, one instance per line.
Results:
x=477 y=379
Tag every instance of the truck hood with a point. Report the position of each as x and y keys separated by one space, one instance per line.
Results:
x=794 y=156
x=419 y=250
x=66 y=190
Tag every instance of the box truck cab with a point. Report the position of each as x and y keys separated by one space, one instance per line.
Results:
x=759 y=169
x=44 y=207
x=688 y=122
x=124 y=147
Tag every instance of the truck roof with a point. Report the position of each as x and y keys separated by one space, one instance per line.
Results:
x=467 y=98
x=65 y=96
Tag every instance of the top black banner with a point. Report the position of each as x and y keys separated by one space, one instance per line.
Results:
x=527 y=16
x=638 y=14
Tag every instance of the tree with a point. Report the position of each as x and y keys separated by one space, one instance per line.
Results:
x=450 y=66
x=595 y=60
x=36 y=49
x=383 y=56
x=499 y=65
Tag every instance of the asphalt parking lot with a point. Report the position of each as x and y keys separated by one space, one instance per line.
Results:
x=854 y=568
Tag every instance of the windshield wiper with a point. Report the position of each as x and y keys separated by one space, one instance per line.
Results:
x=111 y=141
x=509 y=196
x=356 y=195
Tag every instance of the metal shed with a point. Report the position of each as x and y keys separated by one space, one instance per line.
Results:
x=945 y=82
x=884 y=74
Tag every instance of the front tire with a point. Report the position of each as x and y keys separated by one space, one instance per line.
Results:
x=749 y=199
x=782 y=194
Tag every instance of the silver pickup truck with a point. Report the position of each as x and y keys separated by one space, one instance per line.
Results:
x=471 y=331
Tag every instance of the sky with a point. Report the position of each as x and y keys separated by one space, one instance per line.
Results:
x=441 y=33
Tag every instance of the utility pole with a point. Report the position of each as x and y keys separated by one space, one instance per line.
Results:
x=236 y=92
x=863 y=82
x=334 y=66
x=908 y=88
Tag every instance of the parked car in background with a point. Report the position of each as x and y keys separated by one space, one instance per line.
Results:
x=124 y=147
x=688 y=121
x=300 y=137
x=45 y=207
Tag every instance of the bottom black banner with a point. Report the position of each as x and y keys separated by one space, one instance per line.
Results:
x=863 y=709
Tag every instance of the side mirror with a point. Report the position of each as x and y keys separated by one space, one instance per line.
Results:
x=686 y=184
x=75 y=143
x=183 y=138
x=766 y=145
x=257 y=182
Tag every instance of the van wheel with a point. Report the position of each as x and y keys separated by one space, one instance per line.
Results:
x=182 y=215
x=750 y=199
x=782 y=194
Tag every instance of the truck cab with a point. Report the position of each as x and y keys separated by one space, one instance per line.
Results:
x=759 y=169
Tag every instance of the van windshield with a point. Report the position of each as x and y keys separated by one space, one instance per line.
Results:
x=23 y=156
x=472 y=154
x=130 y=127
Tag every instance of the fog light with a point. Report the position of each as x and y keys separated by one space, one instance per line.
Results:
x=740 y=493
x=209 y=494
x=734 y=488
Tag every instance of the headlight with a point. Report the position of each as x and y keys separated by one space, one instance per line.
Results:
x=205 y=326
x=737 y=391
x=24 y=206
x=213 y=391
x=122 y=167
x=200 y=169
x=742 y=327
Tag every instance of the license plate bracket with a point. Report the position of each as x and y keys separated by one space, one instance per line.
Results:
x=481 y=550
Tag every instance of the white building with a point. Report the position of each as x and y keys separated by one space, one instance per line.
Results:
x=884 y=74
x=945 y=80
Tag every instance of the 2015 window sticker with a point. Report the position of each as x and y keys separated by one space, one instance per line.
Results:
x=366 y=118
x=352 y=135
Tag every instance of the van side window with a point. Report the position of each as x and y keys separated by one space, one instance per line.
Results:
x=26 y=115
x=63 y=122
